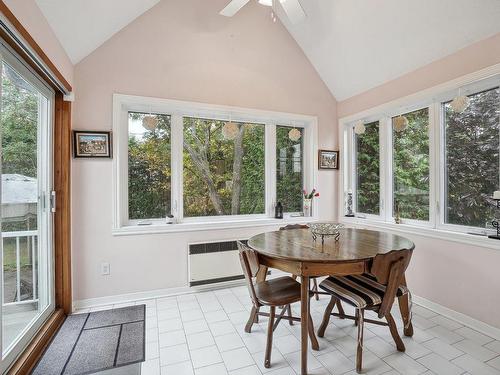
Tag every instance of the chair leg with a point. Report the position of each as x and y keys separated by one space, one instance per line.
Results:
x=315 y=289
x=252 y=319
x=341 y=309
x=326 y=316
x=394 y=332
x=359 y=355
x=269 y=344
x=357 y=317
x=289 y=310
x=312 y=336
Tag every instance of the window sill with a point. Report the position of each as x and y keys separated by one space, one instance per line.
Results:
x=460 y=237
x=156 y=228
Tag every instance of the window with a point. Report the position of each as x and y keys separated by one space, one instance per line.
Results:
x=411 y=167
x=368 y=170
x=289 y=169
x=203 y=165
x=429 y=164
x=472 y=159
x=149 y=170
x=223 y=176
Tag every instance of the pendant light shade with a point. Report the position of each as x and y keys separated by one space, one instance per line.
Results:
x=460 y=103
x=294 y=134
x=400 y=123
x=229 y=131
x=360 y=128
x=150 y=122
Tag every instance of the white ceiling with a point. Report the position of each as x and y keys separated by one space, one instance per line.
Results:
x=83 y=25
x=354 y=45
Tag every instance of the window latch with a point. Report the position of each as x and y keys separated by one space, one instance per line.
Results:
x=53 y=201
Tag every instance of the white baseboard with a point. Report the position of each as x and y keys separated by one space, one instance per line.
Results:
x=160 y=293
x=150 y=294
x=459 y=317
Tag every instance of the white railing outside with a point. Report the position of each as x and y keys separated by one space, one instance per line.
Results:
x=18 y=235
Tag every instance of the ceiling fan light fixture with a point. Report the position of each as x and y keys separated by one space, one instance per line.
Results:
x=267 y=3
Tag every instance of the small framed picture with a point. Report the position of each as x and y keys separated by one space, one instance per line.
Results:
x=328 y=159
x=91 y=144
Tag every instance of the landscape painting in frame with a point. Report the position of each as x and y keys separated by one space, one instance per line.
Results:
x=328 y=159
x=91 y=144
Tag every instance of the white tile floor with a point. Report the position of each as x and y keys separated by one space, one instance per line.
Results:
x=202 y=334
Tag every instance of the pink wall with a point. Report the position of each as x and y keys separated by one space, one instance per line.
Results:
x=31 y=17
x=181 y=50
x=461 y=277
x=467 y=60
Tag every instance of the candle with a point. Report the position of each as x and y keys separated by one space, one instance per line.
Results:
x=496 y=195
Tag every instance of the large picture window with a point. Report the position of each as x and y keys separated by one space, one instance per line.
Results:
x=201 y=165
x=472 y=141
x=223 y=173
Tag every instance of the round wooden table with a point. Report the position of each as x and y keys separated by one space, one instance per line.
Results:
x=296 y=252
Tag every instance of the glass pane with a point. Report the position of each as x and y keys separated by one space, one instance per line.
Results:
x=289 y=169
x=411 y=167
x=368 y=170
x=22 y=121
x=472 y=159
x=149 y=171
x=223 y=168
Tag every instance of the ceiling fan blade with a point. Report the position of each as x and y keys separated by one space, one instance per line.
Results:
x=293 y=10
x=233 y=7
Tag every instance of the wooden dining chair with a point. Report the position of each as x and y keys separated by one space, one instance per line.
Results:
x=376 y=293
x=281 y=291
x=314 y=287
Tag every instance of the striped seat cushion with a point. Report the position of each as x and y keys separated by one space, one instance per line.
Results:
x=358 y=290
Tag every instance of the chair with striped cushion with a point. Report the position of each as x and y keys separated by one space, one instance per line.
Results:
x=374 y=291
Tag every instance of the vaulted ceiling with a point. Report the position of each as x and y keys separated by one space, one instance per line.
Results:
x=354 y=45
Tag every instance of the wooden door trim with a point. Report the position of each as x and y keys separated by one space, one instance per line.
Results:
x=62 y=217
x=25 y=363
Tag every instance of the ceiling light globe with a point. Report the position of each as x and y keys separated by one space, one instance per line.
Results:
x=267 y=3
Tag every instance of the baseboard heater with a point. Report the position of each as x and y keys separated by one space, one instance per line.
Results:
x=214 y=262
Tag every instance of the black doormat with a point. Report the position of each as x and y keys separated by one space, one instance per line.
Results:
x=101 y=340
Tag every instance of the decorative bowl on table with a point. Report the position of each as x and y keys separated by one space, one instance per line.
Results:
x=324 y=229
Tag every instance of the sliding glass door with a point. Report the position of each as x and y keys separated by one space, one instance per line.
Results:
x=26 y=292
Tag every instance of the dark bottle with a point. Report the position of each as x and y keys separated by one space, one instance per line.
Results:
x=278 y=211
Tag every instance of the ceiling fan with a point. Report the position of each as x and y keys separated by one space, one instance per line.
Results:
x=292 y=8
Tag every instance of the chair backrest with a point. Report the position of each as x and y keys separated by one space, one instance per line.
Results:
x=389 y=269
x=294 y=226
x=249 y=260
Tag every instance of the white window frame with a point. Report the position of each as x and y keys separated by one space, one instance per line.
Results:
x=432 y=98
x=123 y=104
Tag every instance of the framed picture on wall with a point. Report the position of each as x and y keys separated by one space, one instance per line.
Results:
x=328 y=159
x=91 y=144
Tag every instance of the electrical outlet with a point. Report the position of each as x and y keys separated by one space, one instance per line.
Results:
x=105 y=268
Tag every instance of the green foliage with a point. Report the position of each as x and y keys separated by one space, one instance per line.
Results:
x=149 y=170
x=289 y=170
x=411 y=167
x=472 y=159
x=368 y=170
x=19 y=125
x=206 y=140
